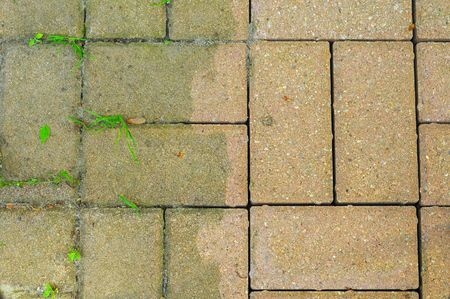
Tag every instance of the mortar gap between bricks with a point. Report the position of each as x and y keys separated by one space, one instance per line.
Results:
x=165 y=278
x=333 y=137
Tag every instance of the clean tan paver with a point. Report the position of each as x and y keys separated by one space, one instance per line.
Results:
x=433 y=19
x=34 y=249
x=24 y=18
x=41 y=86
x=435 y=164
x=435 y=226
x=345 y=19
x=334 y=295
x=207 y=253
x=165 y=83
x=433 y=76
x=122 y=253
x=333 y=248
x=124 y=19
x=209 y=19
x=375 y=125
x=201 y=165
x=290 y=123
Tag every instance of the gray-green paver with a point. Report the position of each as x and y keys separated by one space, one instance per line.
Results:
x=207 y=253
x=122 y=253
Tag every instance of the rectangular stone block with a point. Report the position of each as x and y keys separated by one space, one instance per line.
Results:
x=433 y=81
x=168 y=83
x=125 y=19
x=435 y=164
x=433 y=19
x=200 y=165
x=337 y=20
x=291 y=136
x=318 y=248
x=40 y=86
x=375 y=122
x=209 y=19
x=334 y=295
x=207 y=253
x=39 y=194
x=435 y=235
x=122 y=253
x=33 y=250
x=24 y=18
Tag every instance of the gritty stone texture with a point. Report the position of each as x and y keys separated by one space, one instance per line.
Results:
x=207 y=253
x=433 y=75
x=209 y=19
x=24 y=18
x=162 y=83
x=375 y=124
x=334 y=248
x=122 y=253
x=435 y=226
x=41 y=86
x=435 y=164
x=334 y=295
x=178 y=165
x=124 y=19
x=38 y=194
x=35 y=247
x=291 y=123
x=433 y=19
x=343 y=19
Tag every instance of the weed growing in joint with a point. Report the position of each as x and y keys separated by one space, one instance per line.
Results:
x=75 y=42
x=50 y=291
x=129 y=203
x=161 y=3
x=102 y=122
x=44 y=133
x=61 y=177
x=74 y=255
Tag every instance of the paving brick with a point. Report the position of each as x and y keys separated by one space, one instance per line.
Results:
x=24 y=18
x=435 y=228
x=39 y=194
x=40 y=86
x=433 y=19
x=334 y=295
x=333 y=248
x=122 y=253
x=124 y=19
x=375 y=123
x=209 y=19
x=345 y=19
x=163 y=83
x=34 y=251
x=435 y=164
x=291 y=123
x=207 y=253
x=433 y=75
x=179 y=165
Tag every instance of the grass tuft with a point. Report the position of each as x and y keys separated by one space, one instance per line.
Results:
x=161 y=3
x=74 y=255
x=130 y=204
x=50 y=291
x=102 y=122
x=61 y=177
x=44 y=133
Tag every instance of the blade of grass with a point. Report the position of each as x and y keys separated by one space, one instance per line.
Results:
x=129 y=204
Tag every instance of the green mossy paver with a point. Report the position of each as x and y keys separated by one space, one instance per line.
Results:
x=124 y=19
x=290 y=111
x=334 y=295
x=23 y=18
x=206 y=253
x=35 y=249
x=168 y=83
x=178 y=165
x=40 y=86
x=209 y=19
x=433 y=19
x=332 y=248
x=122 y=253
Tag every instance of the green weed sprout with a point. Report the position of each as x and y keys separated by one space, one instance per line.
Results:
x=75 y=42
x=102 y=122
x=74 y=255
x=129 y=204
x=161 y=3
x=61 y=177
x=44 y=133
x=50 y=291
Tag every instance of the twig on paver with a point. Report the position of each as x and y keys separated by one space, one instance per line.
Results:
x=129 y=203
x=102 y=122
x=61 y=177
